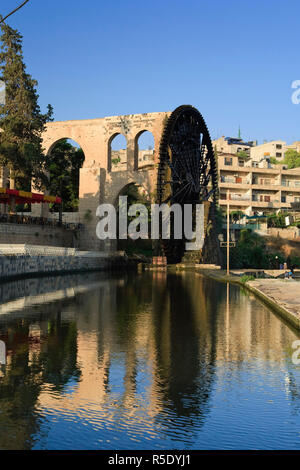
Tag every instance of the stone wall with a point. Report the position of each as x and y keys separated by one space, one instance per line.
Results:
x=36 y=234
x=289 y=233
x=24 y=260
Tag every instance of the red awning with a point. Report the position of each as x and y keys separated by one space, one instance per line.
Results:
x=23 y=197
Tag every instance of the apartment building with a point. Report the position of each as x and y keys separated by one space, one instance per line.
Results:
x=294 y=146
x=232 y=145
x=257 y=187
x=275 y=148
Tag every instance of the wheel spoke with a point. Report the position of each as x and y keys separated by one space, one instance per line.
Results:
x=187 y=171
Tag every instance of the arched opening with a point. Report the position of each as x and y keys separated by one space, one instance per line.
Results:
x=117 y=153
x=144 y=149
x=136 y=194
x=65 y=158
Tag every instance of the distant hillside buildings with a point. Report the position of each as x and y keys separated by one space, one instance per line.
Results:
x=255 y=185
x=232 y=145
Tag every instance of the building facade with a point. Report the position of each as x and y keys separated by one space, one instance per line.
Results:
x=119 y=159
x=294 y=146
x=232 y=145
x=257 y=187
x=276 y=149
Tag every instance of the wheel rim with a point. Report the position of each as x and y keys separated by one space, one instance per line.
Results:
x=187 y=172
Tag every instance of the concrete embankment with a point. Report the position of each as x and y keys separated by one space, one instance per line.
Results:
x=283 y=296
x=27 y=260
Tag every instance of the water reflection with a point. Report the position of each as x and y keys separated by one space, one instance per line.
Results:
x=141 y=361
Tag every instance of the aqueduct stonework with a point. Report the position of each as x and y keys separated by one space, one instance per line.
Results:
x=98 y=183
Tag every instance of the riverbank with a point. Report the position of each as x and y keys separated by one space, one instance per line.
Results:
x=283 y=296
x=17 y=261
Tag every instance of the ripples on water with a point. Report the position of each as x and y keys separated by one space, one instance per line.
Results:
x=150 y=361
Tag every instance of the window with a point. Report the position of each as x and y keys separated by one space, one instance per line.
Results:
x=278 y=146
x=278 y=154
x=265 y=182
x=283 y=198
x=228 y=161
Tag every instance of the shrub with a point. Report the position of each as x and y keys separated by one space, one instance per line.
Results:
x=245 y=278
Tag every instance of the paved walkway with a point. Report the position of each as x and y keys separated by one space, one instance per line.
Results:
x=284 y=293
x=280 y=294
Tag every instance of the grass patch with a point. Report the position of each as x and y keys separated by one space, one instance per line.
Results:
x=246 y=278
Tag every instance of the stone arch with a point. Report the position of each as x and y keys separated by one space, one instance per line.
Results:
x=137 y=150
x=124 y=188
x=72 y=174
x=115 y=182
x=51 y=143
x=136 y=193
x=110 y=151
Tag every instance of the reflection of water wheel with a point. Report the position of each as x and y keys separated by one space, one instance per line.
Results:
x=187 y=172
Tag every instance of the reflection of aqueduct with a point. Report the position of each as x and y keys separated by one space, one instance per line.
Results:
x=98 y=184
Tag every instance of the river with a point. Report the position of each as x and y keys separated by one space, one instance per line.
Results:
x=144 y=361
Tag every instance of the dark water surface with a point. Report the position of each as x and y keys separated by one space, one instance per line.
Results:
x=149 y=361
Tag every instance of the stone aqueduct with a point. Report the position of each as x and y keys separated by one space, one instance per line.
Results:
x=98 y=183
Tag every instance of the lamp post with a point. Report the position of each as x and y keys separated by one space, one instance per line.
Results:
x=61 y=204
x=228 y=232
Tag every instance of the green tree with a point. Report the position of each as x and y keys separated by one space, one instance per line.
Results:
x=249 y=251
x=276 y=220
x=243 y=154
x=21 y=120
x=292 y=159
x=236 y=215
x=63 y=164
x=274 y=161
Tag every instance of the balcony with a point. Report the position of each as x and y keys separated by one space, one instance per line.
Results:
x=234 y=167
x=237 y=197
x=232 y=182
x=290 y=184
x=275 y=204
x=236 y=200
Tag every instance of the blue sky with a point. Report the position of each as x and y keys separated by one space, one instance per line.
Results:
x=233 y=60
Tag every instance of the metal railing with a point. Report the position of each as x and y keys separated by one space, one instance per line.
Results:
x=41 y=221
x=233 y=180
x=291 y=184
x=236 y=197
